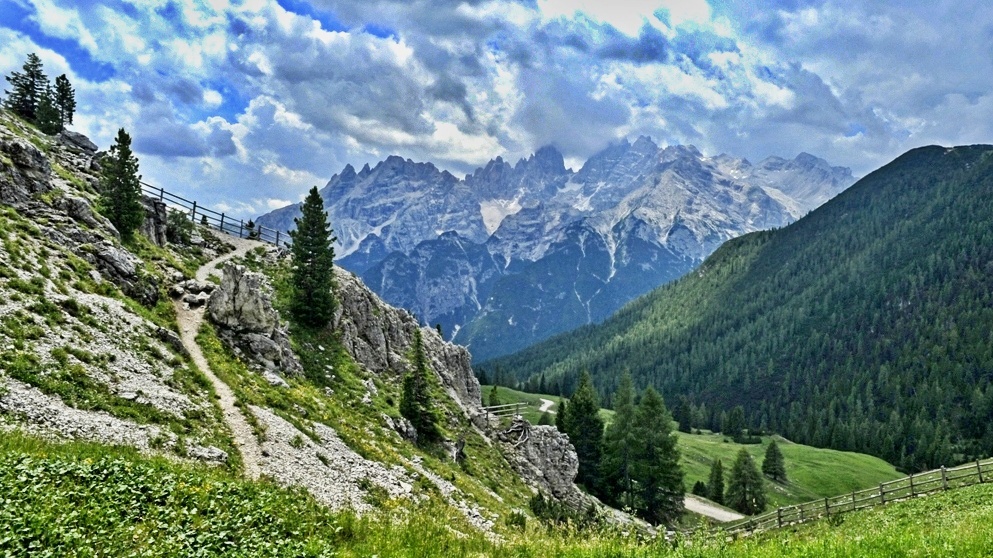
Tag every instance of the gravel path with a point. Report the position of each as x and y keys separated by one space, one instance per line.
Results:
x=546 y=404
x=190 y=320
x=703 y=507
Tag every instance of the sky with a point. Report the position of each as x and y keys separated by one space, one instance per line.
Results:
x=245 y=105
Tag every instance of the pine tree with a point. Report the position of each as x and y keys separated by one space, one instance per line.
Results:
x=312 y=302
x=585 y=429
x=655 y=466
x=684 y=415
x=65 y=100
x=415 y=400
x=734 y=426
x=120 y=187
x=561 y=417
x=773 y=465
x=47 y=116
x=618 y=443
x=715 y=484
x=494 y=396
x=545 y=419
x=28 y=88
x=746 y=491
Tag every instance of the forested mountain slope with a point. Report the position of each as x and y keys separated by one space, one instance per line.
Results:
x=866 y=326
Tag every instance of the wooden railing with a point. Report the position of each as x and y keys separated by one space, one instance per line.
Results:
x=920 y=484
x=508 y=410
x=202 y=215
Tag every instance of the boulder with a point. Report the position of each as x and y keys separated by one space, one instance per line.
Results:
x=242 y=307
x=156 y=224
x=77 y=142
x=545 y=459
x=24 y=171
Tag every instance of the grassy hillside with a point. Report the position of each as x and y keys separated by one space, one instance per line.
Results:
x=89 y=500
x=812 y=472
x=863 y=326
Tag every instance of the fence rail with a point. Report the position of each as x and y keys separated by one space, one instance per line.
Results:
x=209 y=217
x=912 y=486
x=508 y=410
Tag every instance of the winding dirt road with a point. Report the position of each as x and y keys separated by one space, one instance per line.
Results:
x=703 y=507
x=189 y=320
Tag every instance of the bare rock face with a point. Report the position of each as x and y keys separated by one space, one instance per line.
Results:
x=155 y=224
x=545 y=459
x=242 y=307
x=122 y=268
x=28 y=173
x=380 y=337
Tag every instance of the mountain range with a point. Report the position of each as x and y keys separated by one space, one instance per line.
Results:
x=864 y=326
x=512 y=254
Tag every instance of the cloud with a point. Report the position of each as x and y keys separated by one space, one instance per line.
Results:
x=246 y=102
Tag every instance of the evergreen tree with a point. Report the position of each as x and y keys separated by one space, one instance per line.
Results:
x=120 y=185
x=27 y=89
x=312 y=279
x=746 y=491
x=700 y=489
x=494 y=396
x=545 y=419
x=65 y=100
x=585 y=429
x=47 y=116
x=415 y=400
x=773 y=465
x=561 y=416
x=618 y=444
x=655 y=466
x=735 y=424
x=715 y=484
x=684 y=414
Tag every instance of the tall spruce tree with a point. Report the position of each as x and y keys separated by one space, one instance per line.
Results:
x=65 y=100
x=27 y=88
x=683 y=414
x=585 y=429
x=746 y=491
x=773 y=464
x=618 y=444
x=312 y=302
x=120 y=185
x=655 y=464
x=47 y=116
x=715 y=484
x=561 y=417
x=415 y=400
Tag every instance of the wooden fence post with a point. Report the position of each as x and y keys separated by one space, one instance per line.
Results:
x=882 y=494
x=853 y=501
x=827 y=507
x=221 y=228
x=979 y=469
x=193 y=216
x=241 y=228
x=944 y=479
x=161 y=194
x=912 y=485
x=779 y=517
x=277 y=238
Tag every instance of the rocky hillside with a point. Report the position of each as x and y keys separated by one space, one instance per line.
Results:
x=512 y=254
x=102 y=341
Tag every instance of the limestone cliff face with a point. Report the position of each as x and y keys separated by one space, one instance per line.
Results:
x=380 y=337
x=545 y=459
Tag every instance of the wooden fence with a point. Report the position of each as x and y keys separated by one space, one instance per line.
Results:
x=920 y=484
x=213 y=219
x=508 y=410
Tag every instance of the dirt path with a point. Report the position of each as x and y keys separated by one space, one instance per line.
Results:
x=189 y=320
x=546 y=404
x=703 y=507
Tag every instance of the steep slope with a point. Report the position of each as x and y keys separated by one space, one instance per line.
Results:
x=864 y=326
x=93 y=349
x=515 y=253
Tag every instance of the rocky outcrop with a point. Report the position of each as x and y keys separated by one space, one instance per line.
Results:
x=380 y=338
x=26 y=173
x=545 y=459
x=155 y=224
x=242 y=307
x=77 y=142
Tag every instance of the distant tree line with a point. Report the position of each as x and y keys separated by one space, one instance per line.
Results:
x=35 y=99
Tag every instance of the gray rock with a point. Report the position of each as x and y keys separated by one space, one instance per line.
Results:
x=30 y=173
x=545 y=459
x=172 y=339
x=242 y=307
x=155 y=225
x=79 y=209
x=209 y=454
x=380 y=337
x=78 y=142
